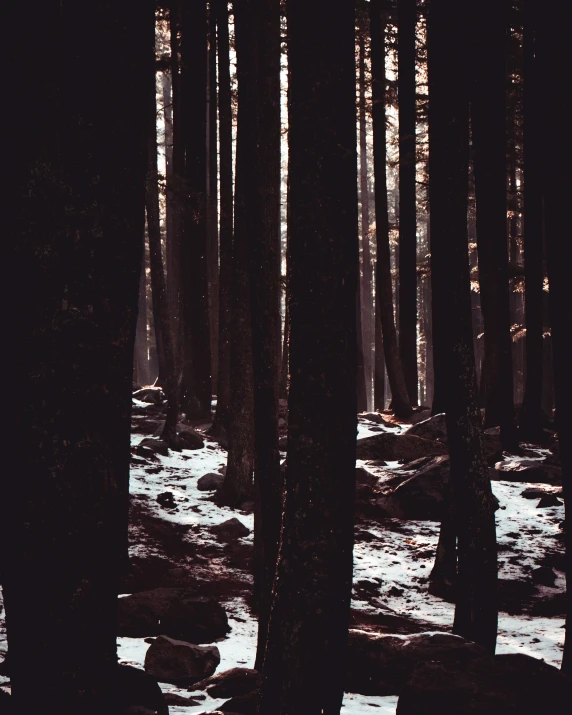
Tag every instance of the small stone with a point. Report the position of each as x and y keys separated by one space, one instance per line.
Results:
x=167 y=500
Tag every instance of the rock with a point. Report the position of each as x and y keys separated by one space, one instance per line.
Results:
x=283 y=444
x=543 y=575
x=179 y=662
x=139 y=690
x=188 y=438
x=492 y=685
x=492 y=445
x=422 y=495
x=393 y=447
x=230 y=529
x=175 y=699
x=435 y=428
x=157 y=446
x=167 y=500
x=381 y=664
x=420 y=416
x=548 y=500
x=528 y=470
x=176 y=612
x=378 y=419
x=229 y=683
x=533 y=493
x=242 y=704
x=152 y=395
x=210 y=482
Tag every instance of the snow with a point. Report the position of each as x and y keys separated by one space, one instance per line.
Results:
x=396 y=562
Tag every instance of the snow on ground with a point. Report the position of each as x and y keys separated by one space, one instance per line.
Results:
x=395 y=562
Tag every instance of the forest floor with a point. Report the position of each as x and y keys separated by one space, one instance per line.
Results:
x=173 y=545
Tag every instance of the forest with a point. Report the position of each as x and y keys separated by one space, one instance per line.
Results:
x=288 y=410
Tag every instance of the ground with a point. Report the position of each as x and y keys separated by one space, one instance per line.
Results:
x=172 y=545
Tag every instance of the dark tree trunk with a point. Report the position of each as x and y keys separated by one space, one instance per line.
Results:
x=305 y=657
x=285 y=365
x=141 y=362
x=257 y=26
x=212 y=195
x=531 y=416
x=472 y=504
x=361 y=394
x=379 y=368
x=237 y=486
x=167 y=375
x=220 y=425
x=488 y=123
x=552 y=53
x=383 y=288
x=196 y=353
x=73 y=237
x=406 y=20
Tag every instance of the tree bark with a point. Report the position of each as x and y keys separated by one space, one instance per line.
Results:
x=73 y=238
x=220 y=424
x=141 y=372
x=472 y=504
x=488 y=123
x=383 y=287
x=531 y=416
x=305 y=657
x=406 y=20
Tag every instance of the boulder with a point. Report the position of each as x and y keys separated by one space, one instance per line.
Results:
x=157 y=446
x=210 y=482
x=230 y=683
x=492 y=685
x=543 y=575
x=174 y=661
x=548 y=500
x=435 y=428
x=283 y=444
x=420 y=416
x=188 y=438
x=242 y=704
x=492 y=445
x=152 y=395
x=137 y=689
x=167 y=500
x=392 y=447
x=381 y=664
x=528 y=470
x=378 y=419
x=421 y=496
x=176 y=612
x=230 y=529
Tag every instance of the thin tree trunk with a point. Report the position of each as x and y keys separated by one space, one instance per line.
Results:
x=73 y=241
x=305 y=658
x=285 y=367
x=141 y=372
x=472 y=504
x=383 y=287
x=406 y=20
x=531 y=416
x=488 y=122
x=220 y=424
x=196 y=354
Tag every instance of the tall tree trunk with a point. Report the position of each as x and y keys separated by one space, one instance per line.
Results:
x=472 y=504
x=141 y=362
x=220 y=425
x=167 y=374
x=379 y=368
x=552 y=53
x=531 y=416
x=212 y=195
x=406 y=20
x=361 y=394
x=366 y=272
x=196 y=388
x=73 y=239
x=305 y=657
x=285 y=365
x=383 y=287
x=488 y=123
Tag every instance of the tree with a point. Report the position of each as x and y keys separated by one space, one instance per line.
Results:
x=220 y=424
x=531 y=416
x=471 y=498
x=488 y=124
x=305 y=656
x=74 y=235
x=383 y=287
x=406 y=21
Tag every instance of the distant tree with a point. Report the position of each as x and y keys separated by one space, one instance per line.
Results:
x=471 y=498
x=383 y=287
x=73 y=237
x=305 y=656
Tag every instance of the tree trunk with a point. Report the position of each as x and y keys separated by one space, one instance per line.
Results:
x=141 y=372
x=472 y=504
x=406 y=20
x=553 y=60
x=220 y=424
x=361 y=395
x=383 y=287
x=305 y=657
x=73 y=236
x=285 y=365
x=488 y=122
x=196 y=354
x=531 y=416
